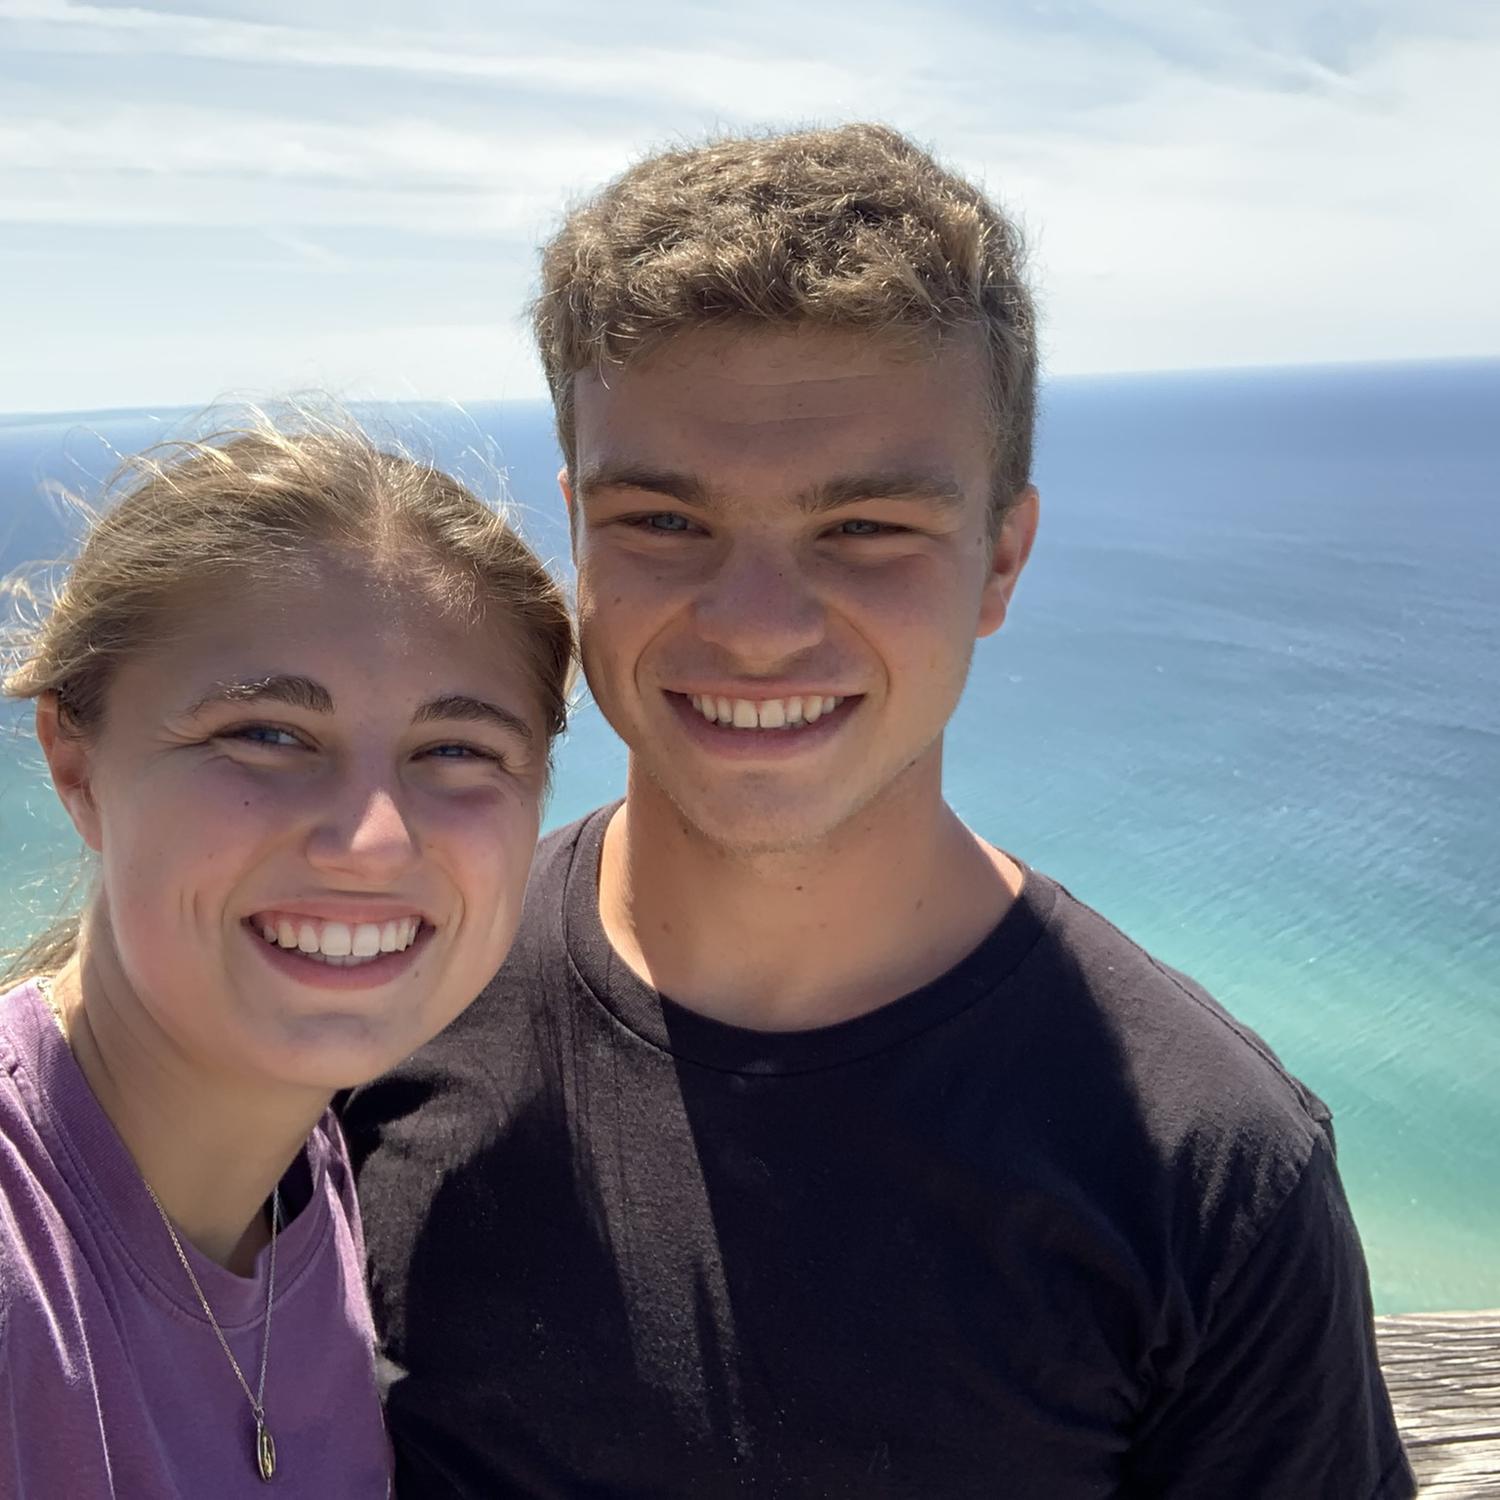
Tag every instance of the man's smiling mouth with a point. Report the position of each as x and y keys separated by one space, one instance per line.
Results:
x=764 y=713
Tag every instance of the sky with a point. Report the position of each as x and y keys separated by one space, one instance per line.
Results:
x=244 y=199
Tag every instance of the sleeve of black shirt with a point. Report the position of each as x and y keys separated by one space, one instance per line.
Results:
x=1282 y=1394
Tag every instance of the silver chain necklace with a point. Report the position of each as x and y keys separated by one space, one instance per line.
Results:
x=265 y=1445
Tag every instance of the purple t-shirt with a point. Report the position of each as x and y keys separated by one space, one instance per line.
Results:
x=111 y=1380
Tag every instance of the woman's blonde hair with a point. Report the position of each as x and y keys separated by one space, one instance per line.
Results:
x=243 y=506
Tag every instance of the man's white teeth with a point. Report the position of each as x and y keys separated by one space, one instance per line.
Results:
x=340 y=943
x=769 y=713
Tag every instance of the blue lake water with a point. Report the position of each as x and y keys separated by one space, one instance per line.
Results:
x=1247 y=703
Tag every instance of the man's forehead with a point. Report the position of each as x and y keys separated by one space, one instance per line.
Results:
x=799 y=392
x=798 y=357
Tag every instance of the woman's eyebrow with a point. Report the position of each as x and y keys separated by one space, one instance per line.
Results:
x=296 y=692
x=459 y=706
x=304 y=693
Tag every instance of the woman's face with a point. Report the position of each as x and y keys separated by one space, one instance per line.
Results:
x=315 y=806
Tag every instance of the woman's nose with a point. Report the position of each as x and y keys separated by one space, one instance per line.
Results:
x=366 y=836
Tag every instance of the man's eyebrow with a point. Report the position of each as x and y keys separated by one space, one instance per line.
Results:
x=294 y=691
x=936 y=489
x=625 y=476
x=460 y=707
x=939 y=490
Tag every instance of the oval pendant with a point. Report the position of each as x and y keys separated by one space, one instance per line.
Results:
x=265 y=1452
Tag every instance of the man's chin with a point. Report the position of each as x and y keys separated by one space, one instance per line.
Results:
x=750 y=827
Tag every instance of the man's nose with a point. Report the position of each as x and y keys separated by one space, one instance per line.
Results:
x=759 y=606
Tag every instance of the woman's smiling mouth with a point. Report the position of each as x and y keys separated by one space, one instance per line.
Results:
x=318 y=950
x=340 y=942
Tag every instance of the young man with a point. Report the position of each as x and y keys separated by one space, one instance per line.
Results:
x=810 y=1145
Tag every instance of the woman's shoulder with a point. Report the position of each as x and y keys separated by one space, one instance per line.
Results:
x=332 y=1175
x=20 y=1192
x=34 y=1239
x=26 y=1029
x=21 y=1160
x=45 y=1209
x=328 y=1156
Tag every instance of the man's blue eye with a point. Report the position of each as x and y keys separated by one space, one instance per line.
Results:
x=666 y=520
x=862 y=528
x=460 y=752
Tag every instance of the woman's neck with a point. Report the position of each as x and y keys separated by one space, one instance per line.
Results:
x=213 y=1148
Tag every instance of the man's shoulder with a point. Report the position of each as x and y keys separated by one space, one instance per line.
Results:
x=1144 y=1078
x=540 y=943
x=552 y=863
x=561 y=842
x=1168 y=1034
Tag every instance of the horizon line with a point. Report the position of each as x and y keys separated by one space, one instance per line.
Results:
x=19 y=418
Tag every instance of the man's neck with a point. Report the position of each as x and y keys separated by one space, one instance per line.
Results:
x=805 y=937
x=212 y=1148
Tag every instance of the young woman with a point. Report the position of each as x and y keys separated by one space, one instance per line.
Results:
x=298 y=696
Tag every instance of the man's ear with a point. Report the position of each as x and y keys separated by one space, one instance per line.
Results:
x=1011 y=549
x=70 y=763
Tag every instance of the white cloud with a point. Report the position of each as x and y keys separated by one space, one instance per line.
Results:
x=683 y=76
x=170 y=164
x=1216 y=186
x=1312 y=226
x=191 y=364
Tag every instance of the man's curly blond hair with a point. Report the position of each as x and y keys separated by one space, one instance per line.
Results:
x=846 y=228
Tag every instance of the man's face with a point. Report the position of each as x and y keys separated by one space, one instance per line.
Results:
x=784 y=560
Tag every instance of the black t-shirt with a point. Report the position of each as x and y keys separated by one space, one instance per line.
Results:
x=1053 y=1226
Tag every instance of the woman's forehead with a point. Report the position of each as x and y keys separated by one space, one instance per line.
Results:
x=333 y=621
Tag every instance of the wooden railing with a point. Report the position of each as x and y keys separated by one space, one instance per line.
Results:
x=1443 y=1373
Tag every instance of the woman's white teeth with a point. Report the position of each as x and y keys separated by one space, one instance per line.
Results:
x=769 y=713
x=340 y=942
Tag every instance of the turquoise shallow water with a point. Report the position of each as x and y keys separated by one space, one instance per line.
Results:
x=1248 y=704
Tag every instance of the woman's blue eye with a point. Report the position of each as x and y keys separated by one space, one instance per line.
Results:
x=264 y=734
x=863 y=528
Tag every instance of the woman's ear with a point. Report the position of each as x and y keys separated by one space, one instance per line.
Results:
x=565 y=484
x=70 y=762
